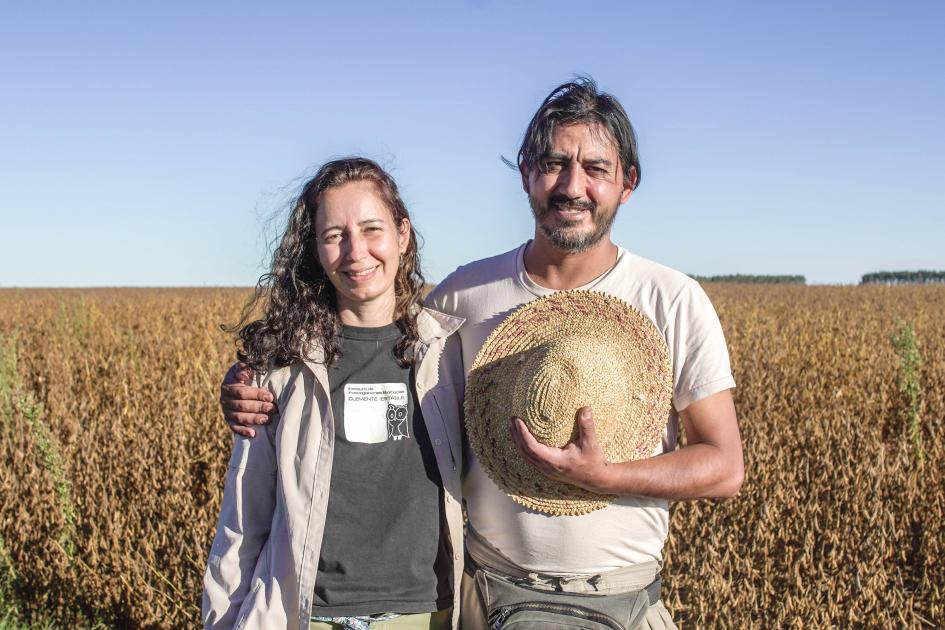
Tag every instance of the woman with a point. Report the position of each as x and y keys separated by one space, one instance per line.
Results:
x=344 y=511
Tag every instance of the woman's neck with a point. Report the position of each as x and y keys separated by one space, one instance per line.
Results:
x=373 y=314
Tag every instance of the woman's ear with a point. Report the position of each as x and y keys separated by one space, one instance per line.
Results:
x=403 y=235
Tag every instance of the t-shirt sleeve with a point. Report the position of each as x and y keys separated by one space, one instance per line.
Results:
x=700 y=357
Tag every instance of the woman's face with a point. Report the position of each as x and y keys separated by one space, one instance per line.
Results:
x=359 y=246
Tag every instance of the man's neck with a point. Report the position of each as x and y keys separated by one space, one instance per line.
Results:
x=557 y=269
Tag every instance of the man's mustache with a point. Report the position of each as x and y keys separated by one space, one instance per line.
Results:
x=561 y=202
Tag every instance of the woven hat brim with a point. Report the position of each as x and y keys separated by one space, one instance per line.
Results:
x=639 y=348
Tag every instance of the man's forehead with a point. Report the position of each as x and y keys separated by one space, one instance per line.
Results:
x=589 y=140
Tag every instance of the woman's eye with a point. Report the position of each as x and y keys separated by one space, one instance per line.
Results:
x=332 y=238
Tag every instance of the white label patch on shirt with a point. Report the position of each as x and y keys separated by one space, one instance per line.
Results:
x=376 y=412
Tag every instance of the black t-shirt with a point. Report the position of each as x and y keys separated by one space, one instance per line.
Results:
x=384 y=549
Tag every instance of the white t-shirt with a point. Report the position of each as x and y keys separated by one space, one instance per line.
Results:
x=632 y=529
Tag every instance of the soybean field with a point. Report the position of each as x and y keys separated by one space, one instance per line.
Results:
x=113 y=455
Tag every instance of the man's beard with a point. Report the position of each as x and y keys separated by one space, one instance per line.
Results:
x=565 y=240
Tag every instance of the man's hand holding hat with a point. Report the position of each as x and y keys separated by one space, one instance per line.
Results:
x=580 y=463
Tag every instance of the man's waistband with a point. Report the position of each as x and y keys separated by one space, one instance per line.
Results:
x=646 y=575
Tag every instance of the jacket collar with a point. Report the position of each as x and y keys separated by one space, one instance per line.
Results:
x=433 y=325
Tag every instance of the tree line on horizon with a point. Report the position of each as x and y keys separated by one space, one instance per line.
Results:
x=746 y=278
x=922 y=276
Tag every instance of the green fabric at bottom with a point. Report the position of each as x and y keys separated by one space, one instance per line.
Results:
x=439 y=620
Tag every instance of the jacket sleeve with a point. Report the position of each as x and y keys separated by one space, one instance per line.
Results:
x=249 y=499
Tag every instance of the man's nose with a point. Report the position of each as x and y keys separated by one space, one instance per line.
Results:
x=571 y=182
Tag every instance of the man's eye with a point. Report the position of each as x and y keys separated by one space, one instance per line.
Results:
x=552 y=166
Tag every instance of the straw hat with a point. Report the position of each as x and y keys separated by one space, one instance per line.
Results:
x=548 y=359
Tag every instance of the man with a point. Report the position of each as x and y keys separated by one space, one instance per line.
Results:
x=578 y=162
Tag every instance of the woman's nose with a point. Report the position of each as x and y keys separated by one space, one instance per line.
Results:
x=357 y=248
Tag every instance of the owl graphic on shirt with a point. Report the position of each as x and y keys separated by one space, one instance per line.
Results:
x=397 y=426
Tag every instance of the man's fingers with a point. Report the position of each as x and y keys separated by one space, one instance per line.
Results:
x=244 y=373
x=246 y=406
x=245 y=392
x=513 y=433
x=587 y=430
x=524 y=451
x=537 y=453
x=517 y=430
x=244 y=431
x=238 y=373
x=526 y=439
x=245 y=418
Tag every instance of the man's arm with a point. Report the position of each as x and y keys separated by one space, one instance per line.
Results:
x=244 y=405
x=711 y=464
x=249 y=501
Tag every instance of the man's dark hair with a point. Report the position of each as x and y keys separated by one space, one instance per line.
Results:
x=579 y=101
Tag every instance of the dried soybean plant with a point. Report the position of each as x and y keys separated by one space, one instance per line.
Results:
x=113 y=456
x=838 y=523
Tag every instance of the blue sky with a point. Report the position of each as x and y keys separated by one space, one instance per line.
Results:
x=149 y=144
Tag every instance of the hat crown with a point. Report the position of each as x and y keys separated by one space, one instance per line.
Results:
x=558 y=377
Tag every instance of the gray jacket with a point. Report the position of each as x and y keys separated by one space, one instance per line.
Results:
x=262 y=565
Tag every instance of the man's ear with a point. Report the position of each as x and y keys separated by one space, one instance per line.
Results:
x=629 y=183
x=524 y=175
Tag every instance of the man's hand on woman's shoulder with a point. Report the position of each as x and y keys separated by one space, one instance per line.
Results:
x=243 y=405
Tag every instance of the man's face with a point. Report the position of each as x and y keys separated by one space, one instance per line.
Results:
x=576 y=189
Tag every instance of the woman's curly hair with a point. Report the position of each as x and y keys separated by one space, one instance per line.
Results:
x=301 y=311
